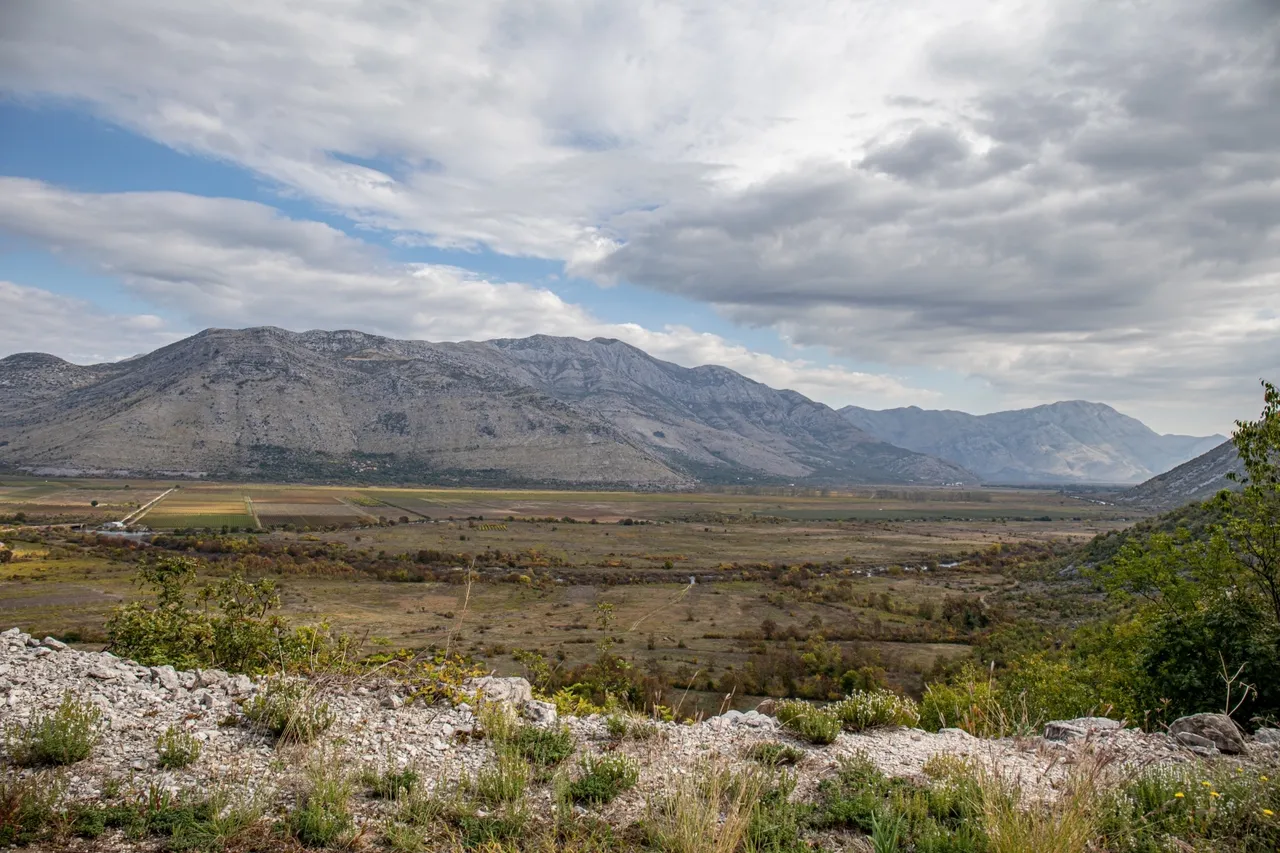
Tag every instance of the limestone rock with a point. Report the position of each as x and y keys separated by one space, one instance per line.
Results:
x=166 y=676
x=515 y=691
x=1219 y=729
x=1193 y=739
x=540 y=713
x=1079 y=728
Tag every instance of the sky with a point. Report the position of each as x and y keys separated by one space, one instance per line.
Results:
x=945 y=203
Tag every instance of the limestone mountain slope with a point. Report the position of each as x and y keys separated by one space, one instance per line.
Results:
x=1073 y=441
x=269 y=403
x=1197 y=480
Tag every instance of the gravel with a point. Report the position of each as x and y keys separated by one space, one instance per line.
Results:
x=376 y=727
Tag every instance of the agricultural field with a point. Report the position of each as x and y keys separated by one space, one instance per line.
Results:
x=697 y=586
x=201 y=507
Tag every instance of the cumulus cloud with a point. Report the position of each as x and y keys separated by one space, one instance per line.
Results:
x=1058 y=197
x=229 y=262
x=75 y=329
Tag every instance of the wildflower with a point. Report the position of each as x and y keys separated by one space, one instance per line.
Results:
x=1268 y=813
x=1265 y=779
x=1207 y=784
x=1214 y=794
x=1178 y=795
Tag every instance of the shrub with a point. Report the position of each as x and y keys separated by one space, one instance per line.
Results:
x=177 y=749
x=774 y=754
x=66 y=735
x=969 y=702
x=542 y=747
x=866 y=709
x=603 y=779
x=1230 y=811
x=290 y=711
x=234 y=627
x=808 y=722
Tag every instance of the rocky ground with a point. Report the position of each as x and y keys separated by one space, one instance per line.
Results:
x=376 y=728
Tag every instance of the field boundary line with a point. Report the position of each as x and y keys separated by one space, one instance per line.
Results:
x=137 y=514
x=253 y=513
x=361 y=510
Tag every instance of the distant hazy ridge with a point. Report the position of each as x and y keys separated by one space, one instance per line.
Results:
x=1073 y=441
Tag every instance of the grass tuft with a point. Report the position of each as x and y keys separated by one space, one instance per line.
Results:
x=290 y=711
x=602 y=779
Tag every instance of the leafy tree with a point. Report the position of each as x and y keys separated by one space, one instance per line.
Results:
x=1207 y=606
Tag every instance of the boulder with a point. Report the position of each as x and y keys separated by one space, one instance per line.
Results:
x=540 y=713
x=56 y=645
x=1270 y=737
x=516 y=691
x=1079 y=728
x=1220 y=729
x=1193 y=739
x=166 y=676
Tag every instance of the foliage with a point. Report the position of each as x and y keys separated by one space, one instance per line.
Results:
x=177 y=749
x=542 y=747
x=28 y=806
x=322 y=816
x=807 y=721
x=226 y=625
x=601 y=779
x=64 y=736
x=772 y=753
x=1206 y=607
x=708 y=811
x=866 y=709
x=391 y=784
x=1216 y=808
x=290 y=711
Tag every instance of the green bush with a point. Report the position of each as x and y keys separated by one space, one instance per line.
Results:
x=808 y=722
x=602 y=779
x=542 y=747
x=177 y=749
x=1209 y=808
x=64 y=736
x=970 y=701
x=226 y=625
x=290 y=711
x=867 y=709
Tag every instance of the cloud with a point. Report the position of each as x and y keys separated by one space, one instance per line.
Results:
x=40 y=321
x=1056 y=197
x=228 y=262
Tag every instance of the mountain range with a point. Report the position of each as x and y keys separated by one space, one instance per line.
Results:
x=1068 y=442
x=267 y=403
